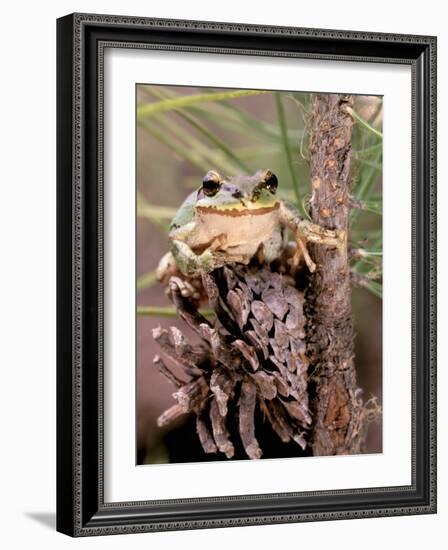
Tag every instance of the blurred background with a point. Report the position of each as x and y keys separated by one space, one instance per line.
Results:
x=182 y=132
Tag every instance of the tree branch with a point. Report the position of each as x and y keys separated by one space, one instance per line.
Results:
x=338 y=413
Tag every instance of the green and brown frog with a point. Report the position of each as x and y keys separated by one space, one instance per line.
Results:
x=231 y=219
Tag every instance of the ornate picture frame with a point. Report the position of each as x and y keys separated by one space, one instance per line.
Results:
x=81 y=43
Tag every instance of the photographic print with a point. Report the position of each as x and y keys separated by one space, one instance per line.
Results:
x=246 y=274
x=259 y=274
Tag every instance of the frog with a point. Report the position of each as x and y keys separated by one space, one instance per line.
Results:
x=232 y=219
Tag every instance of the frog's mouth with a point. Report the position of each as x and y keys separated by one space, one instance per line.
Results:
x=234 y=212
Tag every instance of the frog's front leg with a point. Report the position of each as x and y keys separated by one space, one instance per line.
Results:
x=306 y=231
x=191 y=263
x=211 y=258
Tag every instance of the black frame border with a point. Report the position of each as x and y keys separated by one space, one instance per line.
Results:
x=81 y=40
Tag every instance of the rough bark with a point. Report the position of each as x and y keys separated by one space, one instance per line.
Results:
x=338 y=413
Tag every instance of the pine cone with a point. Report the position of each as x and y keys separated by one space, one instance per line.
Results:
x=252 y=355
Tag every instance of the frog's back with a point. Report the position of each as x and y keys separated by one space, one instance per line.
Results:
x=185 y=213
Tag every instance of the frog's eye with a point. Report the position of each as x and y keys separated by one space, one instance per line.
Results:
x=211 y=183
x=271 y=182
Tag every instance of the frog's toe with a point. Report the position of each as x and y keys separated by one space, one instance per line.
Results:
x=218 y=242
x=167 y=266
x=183 y=287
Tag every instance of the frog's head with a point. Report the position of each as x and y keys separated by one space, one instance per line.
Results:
x=238 y=195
